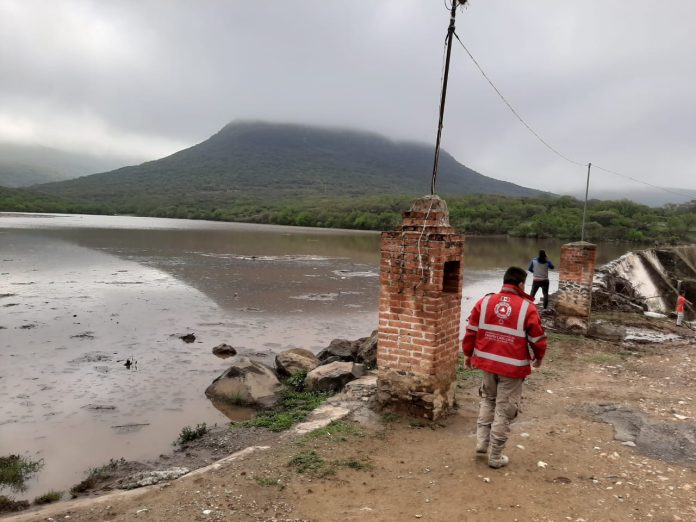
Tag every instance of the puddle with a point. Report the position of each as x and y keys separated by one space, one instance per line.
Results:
x=673 y=442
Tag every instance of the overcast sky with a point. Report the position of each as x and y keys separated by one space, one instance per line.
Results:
x=607 y=81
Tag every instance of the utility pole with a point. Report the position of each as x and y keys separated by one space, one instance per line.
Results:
x=450 y=33
x=584 y=210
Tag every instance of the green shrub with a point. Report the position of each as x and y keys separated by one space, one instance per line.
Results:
x=189 y=434
x=8 y=505
x=296 y=380
x=94 y=475
x=15 y=470
x=48 y=497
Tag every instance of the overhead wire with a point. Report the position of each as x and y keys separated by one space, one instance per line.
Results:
x=512 y=109
x=548 y=145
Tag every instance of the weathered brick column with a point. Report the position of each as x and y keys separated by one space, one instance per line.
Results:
x=419 y=307
x=574 y=297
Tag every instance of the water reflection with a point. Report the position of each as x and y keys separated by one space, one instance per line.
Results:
x=259 y=268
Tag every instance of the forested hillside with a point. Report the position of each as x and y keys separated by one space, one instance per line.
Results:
x=280 y=161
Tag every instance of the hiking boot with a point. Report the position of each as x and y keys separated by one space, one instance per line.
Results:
x=499 y=461
x=481 y=449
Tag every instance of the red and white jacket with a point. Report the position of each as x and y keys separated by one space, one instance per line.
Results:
x=500 y=328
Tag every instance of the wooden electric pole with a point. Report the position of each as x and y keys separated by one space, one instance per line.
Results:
x=443 y=96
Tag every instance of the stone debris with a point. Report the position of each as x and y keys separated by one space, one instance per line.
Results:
x=149 y=478
x=541 y=464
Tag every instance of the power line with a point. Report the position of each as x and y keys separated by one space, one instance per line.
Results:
x=553 y=149
x=688 y=196
x=512 y=109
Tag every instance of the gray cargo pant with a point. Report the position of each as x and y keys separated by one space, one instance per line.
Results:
x=500 y=402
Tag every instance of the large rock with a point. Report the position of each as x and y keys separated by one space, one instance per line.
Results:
x=364 y=387
x=367 y=350
x=330 y=377
x=576 y=325
x=341 y=348
x=295 y=360
x=246 y=382
x=606 y=331
x=224 y=351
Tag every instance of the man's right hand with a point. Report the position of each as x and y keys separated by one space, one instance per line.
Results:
x=536 y=363
x=467 y=362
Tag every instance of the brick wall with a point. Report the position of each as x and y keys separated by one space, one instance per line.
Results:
x=419 y=309
x=576 y=272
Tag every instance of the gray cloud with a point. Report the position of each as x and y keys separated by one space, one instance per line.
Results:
x=606 y=81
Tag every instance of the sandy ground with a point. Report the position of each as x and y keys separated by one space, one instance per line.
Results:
x=565 y=463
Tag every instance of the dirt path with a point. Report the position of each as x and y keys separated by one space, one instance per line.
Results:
x=402 y=469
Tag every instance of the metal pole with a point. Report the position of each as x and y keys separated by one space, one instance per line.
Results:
x=584 y=210
x=450 y=32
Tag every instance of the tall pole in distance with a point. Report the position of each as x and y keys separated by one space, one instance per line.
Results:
x=450 y=33
x=584 y=210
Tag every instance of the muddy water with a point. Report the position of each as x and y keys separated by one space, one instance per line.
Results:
x=81 y=294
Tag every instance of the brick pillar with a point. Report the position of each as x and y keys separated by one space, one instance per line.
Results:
x=574 y=298
x=419 y=306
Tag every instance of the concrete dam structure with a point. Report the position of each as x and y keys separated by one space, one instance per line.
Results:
x=647 y=280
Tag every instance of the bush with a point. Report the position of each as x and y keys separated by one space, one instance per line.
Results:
x=189 y=434
x=47 y=498
x=15 y=470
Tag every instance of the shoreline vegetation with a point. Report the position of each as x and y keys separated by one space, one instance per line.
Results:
x=515 y=216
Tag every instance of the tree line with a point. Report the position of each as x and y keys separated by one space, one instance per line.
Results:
x=534 y=217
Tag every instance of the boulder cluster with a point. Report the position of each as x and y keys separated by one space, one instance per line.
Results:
x=251 y=383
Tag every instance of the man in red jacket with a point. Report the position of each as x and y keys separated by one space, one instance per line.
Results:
x=502 y=327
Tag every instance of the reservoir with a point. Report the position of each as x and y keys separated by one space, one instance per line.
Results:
x=79 y=295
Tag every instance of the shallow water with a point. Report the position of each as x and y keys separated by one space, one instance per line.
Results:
x=80 y=294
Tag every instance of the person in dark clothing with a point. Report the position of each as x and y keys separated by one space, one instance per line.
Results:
x=539 y=267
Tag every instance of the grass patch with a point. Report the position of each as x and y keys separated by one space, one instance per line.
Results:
x=307 y=462
x=48 y=497
x=292 y=408
x=268 y=481
x=311 y=463
x=15 y=470
x=7 y=505
x=189 y=434
x=601 y=358
x=336 y=430
x=94 y=475
x=390 y=418
x=361 y=465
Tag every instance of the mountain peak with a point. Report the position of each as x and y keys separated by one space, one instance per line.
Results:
x=256 y=159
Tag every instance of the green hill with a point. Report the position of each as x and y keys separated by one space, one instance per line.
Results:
x=262 y=161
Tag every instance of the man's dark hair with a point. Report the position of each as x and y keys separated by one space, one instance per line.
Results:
x=542 y=256
x=682 y=292
x=514 y=276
